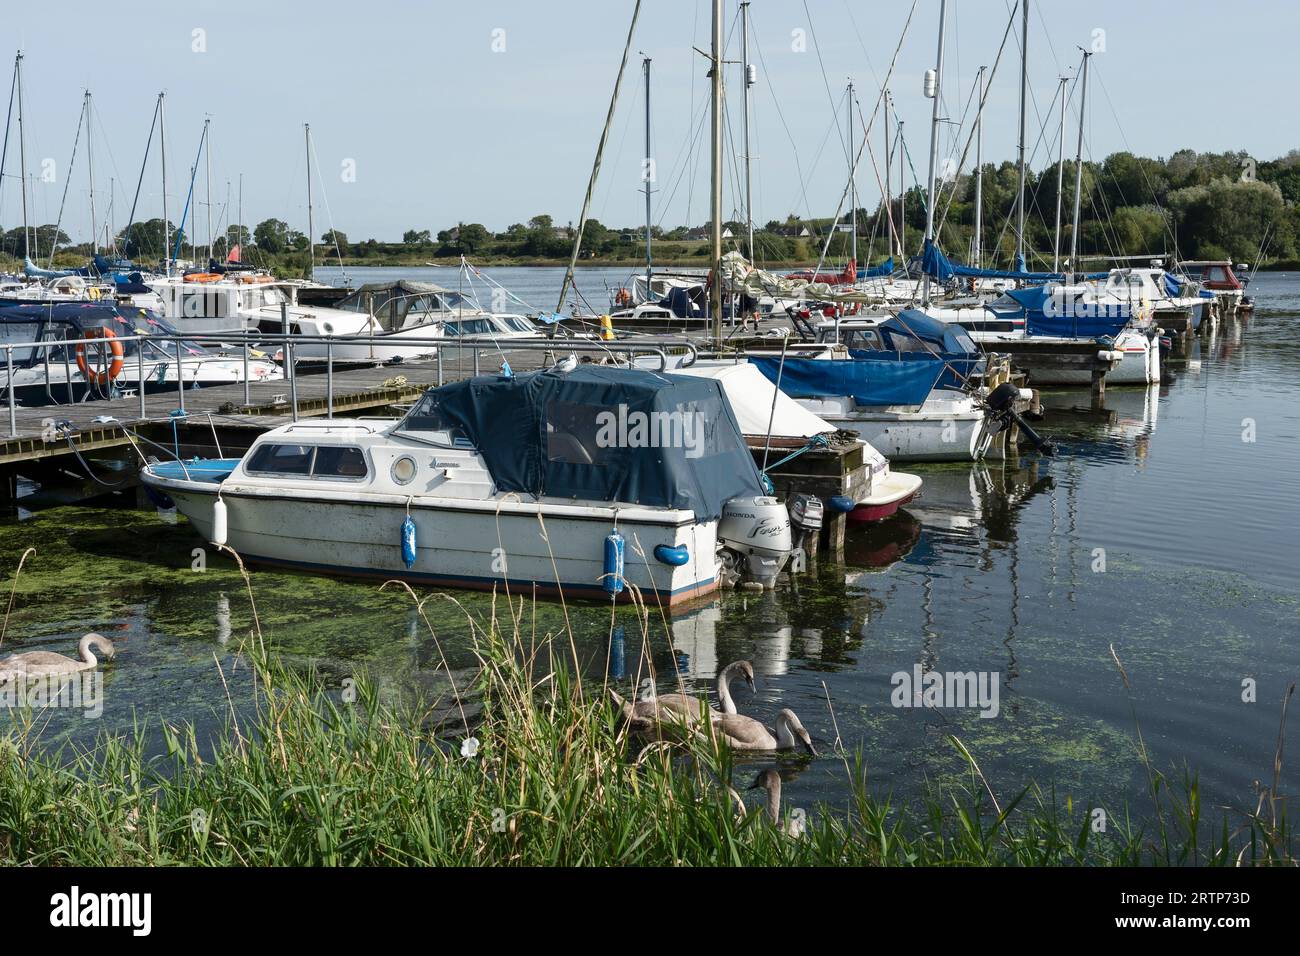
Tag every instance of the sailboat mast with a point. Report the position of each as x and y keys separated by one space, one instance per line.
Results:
x=207 y=179
x=1060 y=181
x=902 y=194
x=977 y=250
x=715 y=173
x=311 y=232
x=933 y=84
x=162 y=142
x=90 y=168
x=889 y=185
x=22 y=156
x=853 y=186
x=750 y=74
x=1024 y=99
x=1078 y=167
x=646 y=174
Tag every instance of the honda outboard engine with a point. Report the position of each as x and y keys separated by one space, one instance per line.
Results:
x=754 y=534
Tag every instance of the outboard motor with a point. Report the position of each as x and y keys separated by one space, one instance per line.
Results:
x=806 y=515
x=754 y=533
x=1002 y=403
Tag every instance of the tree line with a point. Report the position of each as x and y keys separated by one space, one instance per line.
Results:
x=1190 y=205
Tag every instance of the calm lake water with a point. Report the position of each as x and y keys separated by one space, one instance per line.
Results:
x=1168 y=529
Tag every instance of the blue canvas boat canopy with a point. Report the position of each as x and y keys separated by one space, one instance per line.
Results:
x=886 y=268
x=602 y=434
x=870 y=378
x=1071 y=318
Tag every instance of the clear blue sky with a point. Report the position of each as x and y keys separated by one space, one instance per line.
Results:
x=444 y=128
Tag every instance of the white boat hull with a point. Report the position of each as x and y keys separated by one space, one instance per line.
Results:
x=460 y=543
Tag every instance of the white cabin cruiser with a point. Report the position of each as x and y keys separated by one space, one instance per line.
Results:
x=49 y=371
x=242 y=301
x=595 y=481
x=904 y=395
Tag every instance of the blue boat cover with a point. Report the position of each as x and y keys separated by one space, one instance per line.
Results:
x=1082 y=321
x=601 y=434
x=870 y=378
x=886 y=268
x=938 y=266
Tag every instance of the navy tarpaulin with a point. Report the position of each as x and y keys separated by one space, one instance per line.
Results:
x=601 y=434
x=938 y=266
x=1173 y=286
x=869 y=378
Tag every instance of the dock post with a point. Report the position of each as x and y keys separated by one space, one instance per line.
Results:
x=67 y=376
x=247 y=397
x=1098 y=389
x=180 y=376
x=13 y=412
x=474 y=346
x=139 y=374
x=284 y=330
x=439 y=354
x=329 y=378
x=293 y=379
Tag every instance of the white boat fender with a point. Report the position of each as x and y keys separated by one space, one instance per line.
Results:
x=219 y=522
x=612 y=579
x=408 y=538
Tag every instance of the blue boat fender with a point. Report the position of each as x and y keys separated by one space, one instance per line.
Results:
x=675 y=555
x=612 y=579
x=408 y=543
x=843 y=503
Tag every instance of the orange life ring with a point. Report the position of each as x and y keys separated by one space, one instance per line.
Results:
x=622 y=297
x=115 y=349
x=204 y=277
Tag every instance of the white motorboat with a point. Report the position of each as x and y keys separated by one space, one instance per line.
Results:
x=763 y=411
x=591 y=480
x=243 y=301
x=47 y=371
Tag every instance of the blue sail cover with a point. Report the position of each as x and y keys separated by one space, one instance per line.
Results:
x=1070 y=318
x=870 y=378
x=938 y=266
x=602 y=434
x=886 y=268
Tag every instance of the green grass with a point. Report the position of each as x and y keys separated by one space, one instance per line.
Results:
x=302 y=776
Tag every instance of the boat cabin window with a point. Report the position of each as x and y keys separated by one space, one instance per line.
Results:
x=20 y=332
x=426 y=417
x=860 y=338
x=282 y=459
x=468 y=327
x=324 y=461
x=339 y=461
x=574 y=433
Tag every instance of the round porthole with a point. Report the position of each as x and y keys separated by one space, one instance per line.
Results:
x=327 y=328
x=404 y=470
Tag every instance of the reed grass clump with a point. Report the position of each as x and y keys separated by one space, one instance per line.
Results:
x=541 y=771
